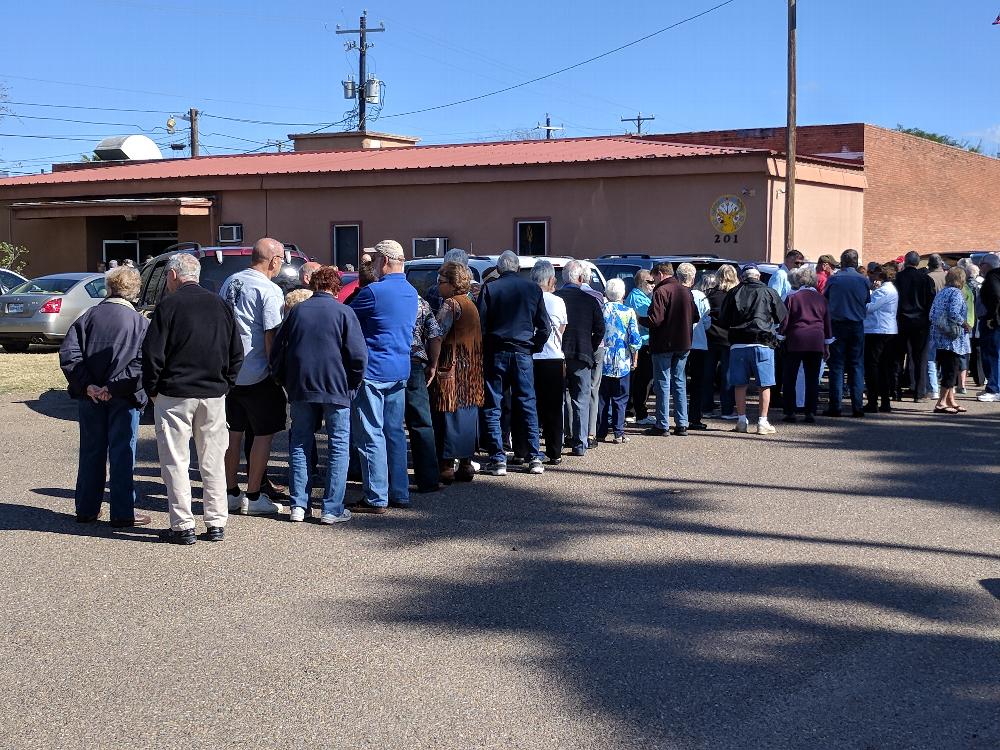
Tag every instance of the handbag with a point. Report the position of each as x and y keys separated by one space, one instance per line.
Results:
x=946 y=327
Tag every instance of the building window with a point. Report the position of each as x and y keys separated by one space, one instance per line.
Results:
x=346 y=239
x=532 y=236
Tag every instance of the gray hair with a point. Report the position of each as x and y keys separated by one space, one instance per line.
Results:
x=911 y=259
x=709 y=281
x=574 y=272
x=751 y=273
x=990 y=260
x=507 y=262
x=124 y=282
x=542 y=271
x=686 y=273
x=615 y=290
x=455 y=255
x=806 y=276
x=795 y=277
x=185 y=265
x=935 y=261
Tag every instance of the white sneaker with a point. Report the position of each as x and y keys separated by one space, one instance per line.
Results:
x=262 y=506
x=742 y=425
x=297 y=515
x=765 y=428
x=237 y=503
x=329 y=519
x=647 y=422
x=476 y=466
x=629 y=420
x=535 y=466
x=988 y=397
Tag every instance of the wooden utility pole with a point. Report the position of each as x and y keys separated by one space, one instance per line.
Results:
x=639 y=120
x=790 y=146
x=548 y=127
x=362 y=47
x=193 y=117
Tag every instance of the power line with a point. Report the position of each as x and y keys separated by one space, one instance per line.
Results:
x=18 y=116
x=88 y=139
x=568 y=67
x=93 y=109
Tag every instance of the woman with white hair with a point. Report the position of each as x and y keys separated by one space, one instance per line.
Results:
x=621 y=347
x=101 y=360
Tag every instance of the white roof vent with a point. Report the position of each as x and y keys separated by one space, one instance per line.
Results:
x=127 y=147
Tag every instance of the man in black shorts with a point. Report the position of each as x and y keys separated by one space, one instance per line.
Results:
x=256 y=402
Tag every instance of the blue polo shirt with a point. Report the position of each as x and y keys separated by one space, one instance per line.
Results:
x=848 y=293
x=387 y=311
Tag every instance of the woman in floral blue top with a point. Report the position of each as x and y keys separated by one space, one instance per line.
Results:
x=950 y=337
x=621 y=344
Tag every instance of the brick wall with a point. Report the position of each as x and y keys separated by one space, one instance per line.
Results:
x=927 y=197
x=811 y=139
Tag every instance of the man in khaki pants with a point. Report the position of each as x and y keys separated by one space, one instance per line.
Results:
x=190 y=358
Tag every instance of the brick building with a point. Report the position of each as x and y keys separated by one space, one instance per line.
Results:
x=920 y=195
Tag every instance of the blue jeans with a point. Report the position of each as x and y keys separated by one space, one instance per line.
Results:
x=377 y=432
x=669 y=370
x=614 y=402
x=989 y=349
x=108 y=433
x=847 y=353
x=306 y=418
x=514 y=370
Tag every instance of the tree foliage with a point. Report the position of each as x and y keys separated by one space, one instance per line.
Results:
x=13 y=257
x=947 y=140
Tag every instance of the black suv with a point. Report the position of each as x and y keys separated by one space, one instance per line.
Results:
x=217 y=265
x=624 y=266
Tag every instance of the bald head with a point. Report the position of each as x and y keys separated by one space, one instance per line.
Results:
x=268 y=255
x=307 y=270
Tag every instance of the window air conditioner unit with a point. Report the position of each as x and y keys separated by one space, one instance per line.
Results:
x=230 y=233
x=429 y=247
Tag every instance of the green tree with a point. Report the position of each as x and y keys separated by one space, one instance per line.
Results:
x=13 y=257
x=947 y=140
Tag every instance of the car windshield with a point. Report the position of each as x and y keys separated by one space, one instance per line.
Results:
x=213 y=273
x=46 y=285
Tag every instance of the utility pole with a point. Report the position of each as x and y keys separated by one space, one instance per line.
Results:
x=790 y=128
x=639 y=120
x=193 y=117
x=548 y=127
x=362 y=46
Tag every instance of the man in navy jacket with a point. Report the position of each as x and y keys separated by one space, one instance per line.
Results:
x=319 y=355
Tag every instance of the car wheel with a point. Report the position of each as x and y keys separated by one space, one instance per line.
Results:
x=15 y=347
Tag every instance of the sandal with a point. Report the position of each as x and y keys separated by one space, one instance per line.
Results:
x=960 y=410
x=945 y=410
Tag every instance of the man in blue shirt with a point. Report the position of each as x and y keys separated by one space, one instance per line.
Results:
x=779 y=280
x=847 y=293
x=387 y=312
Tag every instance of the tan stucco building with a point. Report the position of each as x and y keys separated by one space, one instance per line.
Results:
x=580 y=197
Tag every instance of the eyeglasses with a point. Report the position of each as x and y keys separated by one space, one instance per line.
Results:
x=442 y=280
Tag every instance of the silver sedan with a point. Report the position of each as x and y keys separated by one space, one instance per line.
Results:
x=41 y=311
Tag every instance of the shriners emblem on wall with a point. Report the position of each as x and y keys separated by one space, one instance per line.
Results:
x=728 y=214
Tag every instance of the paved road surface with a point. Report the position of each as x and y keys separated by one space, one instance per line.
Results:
x=831 y=586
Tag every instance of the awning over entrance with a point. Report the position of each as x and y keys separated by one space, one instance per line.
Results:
x=126 y=207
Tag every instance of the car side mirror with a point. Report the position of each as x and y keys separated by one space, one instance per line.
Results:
x=218 y=257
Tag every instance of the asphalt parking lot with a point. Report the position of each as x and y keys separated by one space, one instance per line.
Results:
x=831 y=586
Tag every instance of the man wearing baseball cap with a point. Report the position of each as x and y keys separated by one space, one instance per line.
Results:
x=387 y=311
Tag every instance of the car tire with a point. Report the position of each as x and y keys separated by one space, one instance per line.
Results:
x=16 y=347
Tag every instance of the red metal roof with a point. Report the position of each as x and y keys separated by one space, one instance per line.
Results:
x=513 y=153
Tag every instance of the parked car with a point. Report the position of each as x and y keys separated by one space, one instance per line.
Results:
x=217 y=265
x=348 y=285
x=624 y=266
x=597 y=280
x=41 y=311
x=422 y=273
x=9 y=279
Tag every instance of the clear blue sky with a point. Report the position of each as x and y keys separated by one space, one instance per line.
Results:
x=927 y=64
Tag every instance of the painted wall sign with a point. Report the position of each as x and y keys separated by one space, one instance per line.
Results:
x=728 y=214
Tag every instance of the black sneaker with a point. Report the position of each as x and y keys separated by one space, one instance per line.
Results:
x=553 y=460
x=656 y=431
x=213 y=534
x=177 y=537
x=832 y=413
x=592 y=442
x=789 y=418
x=697 y=426
x=810 y=419
x=680 y=431
x=858 y=414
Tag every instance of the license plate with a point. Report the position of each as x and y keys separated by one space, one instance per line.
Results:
x=15 y=307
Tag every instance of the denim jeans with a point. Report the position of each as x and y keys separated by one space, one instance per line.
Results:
x=579 y=380
x=108 y=433
x=306 y=418
x=989 y=349
x=717 y=360
x=669 y=379
x=377 y=432
x=932 y=370
x=847 y=353
x=418 y=422
x=595 y=390
x=516 y=371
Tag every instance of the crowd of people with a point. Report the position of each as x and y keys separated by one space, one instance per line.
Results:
x=512 y=369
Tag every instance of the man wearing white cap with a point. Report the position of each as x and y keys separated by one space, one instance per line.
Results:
x=387 y=311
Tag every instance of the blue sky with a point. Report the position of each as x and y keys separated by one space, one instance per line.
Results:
x=926 y=64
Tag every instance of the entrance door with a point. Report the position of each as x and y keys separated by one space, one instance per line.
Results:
x=120 y=250
x=346 y=245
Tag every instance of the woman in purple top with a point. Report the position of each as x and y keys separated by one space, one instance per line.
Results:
x=807 y=336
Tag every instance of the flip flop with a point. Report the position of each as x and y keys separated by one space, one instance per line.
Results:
x=945 y=410
x=960 y=410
